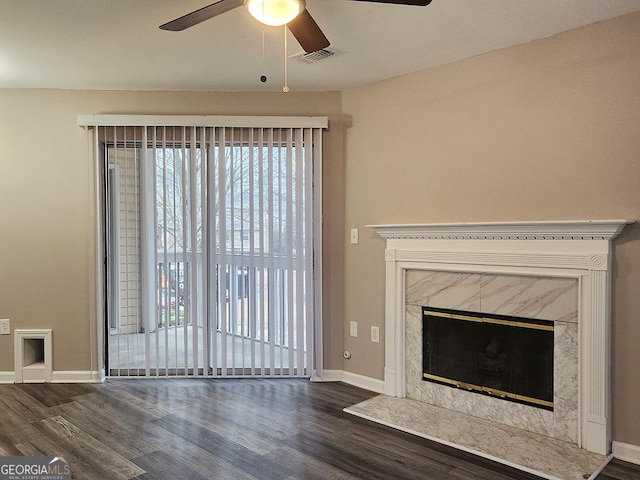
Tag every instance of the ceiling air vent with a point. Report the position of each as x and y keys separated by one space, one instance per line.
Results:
x=314 y=57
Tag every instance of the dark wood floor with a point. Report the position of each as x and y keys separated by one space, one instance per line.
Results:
x=227 y=429
x=619 y=470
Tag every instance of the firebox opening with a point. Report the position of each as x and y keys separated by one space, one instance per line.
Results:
x=503 y=356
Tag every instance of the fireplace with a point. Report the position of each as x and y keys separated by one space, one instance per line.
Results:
x=531 y=265
x=503 y=356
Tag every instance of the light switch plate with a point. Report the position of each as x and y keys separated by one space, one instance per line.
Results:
x=353 y=329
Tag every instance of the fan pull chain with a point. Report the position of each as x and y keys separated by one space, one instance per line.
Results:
x=263 y=77
x=285 y=88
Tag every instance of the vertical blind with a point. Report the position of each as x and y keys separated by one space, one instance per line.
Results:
x=209 y=238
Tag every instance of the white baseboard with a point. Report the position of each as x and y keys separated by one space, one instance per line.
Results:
x=331 y=376
x=7 y=377
x=368 y=383
x=354 y=379
x=80 y=376
x=72 y=376
x=626 y=452
x=76 y=376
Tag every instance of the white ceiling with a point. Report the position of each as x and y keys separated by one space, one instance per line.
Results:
x=116 y=44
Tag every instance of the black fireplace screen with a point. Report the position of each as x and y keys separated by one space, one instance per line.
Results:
x=503 y=356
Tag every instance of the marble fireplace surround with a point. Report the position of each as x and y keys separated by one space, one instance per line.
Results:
x=541 y=298
x=577 y=252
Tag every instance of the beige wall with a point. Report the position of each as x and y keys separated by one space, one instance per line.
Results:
x=46 y=214
x=543 y=131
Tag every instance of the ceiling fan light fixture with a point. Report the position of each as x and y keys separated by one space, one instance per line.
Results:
x=275 y=12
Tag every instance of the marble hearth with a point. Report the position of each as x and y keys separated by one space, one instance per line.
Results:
x=557 y=271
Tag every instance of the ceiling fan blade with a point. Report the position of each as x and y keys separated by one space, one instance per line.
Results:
x=308 y=33
x=417 y=3
x=198 y=16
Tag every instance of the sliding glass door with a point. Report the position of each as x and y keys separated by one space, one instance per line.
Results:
x=210 y=242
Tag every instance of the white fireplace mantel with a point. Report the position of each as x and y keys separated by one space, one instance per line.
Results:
x=571 y=230
x=572 y=249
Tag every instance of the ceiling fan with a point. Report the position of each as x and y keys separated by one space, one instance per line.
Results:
x=293 y=13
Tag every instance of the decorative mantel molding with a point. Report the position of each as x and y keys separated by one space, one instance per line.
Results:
x=571 y=230
x=571 y=249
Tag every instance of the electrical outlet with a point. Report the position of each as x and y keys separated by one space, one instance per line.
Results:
x=5 y=327
x=353 y=329
x=354 y=236
x=375 y=334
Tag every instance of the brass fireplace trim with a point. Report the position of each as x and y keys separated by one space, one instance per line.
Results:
x=491 y=391
x=495 y=321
